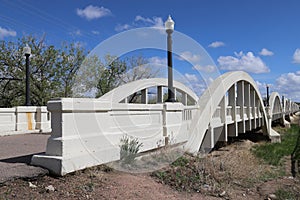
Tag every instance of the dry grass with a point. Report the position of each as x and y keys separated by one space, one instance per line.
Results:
x=228 y=169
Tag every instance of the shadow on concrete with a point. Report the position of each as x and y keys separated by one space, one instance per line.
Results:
x=20 y=159
x=253 y=137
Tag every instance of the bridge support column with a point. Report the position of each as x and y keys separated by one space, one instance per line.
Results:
x=232 y=128
x=254 y=109
x=144 y=98
x=269 y=119
x=172 y=121
x=241 y=103
x=184 y=98
x=223 y=119
x=248 y=106
x=208 y=140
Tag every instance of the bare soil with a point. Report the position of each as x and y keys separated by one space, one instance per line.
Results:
x=94 y=183
x=234 y=173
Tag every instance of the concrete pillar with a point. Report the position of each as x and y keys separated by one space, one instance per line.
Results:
x=144 y=98
x=43 y=119
x=223 y=110
x=175 y=94
x=248 y=106
x=254 y=108
x=212 y=136
x=172 y=120
x=232 y=128
x=241 y=103
x=25 y=118
x=232 y=101
x=184 y=98
x=159 y=94
x=223 y=118
x=259 y=124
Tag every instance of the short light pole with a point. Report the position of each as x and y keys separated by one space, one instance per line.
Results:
x=169 y=25
x=27 y=52
x=267 y=95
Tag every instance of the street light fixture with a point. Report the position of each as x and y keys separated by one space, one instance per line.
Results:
x=169 y=25
x=27 y=52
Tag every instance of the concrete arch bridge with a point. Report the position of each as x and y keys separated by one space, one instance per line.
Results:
x=87 y=132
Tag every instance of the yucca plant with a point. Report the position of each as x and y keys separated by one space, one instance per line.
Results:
x=129 y=148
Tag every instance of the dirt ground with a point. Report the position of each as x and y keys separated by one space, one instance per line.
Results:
x=94 y=183
x=239 y=174
x=233 y=171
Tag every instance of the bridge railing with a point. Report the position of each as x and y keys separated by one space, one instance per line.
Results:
x=22 y=119
x=188 y=112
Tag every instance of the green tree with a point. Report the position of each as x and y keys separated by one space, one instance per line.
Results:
x=52 y=71
x=111 y=76
x=69 y=61
x=87 y=77
x=116 y=71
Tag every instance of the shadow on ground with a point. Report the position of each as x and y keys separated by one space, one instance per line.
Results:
x=20 y=159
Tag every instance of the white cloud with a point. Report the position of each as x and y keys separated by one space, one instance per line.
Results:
x=123 y=27
x=216 y=44
x=266 y=52
x=93 y=12
x=96 y=32
x=140 y=18
x=155 y=22
x=296 y=56
x=76 y=33
x=191 y=77
x=186 y=55
x=207 y=68
x=157 y=61
x=260 y=85
x=262 y=88
x=287 y=84
x=246 y=62
x=139 y=21
x=6 y=33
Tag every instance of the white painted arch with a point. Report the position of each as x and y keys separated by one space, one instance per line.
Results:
x=275 y=106
x=210 y=100
x=120 y=93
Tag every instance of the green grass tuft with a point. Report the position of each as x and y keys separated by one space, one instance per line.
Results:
x=272 y=153
x=283 y=194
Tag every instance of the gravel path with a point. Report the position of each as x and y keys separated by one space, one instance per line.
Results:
x=15 y=155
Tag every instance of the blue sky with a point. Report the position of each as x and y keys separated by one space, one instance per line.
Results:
x=259 y=37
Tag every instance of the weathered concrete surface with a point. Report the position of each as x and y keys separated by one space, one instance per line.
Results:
x=15 y=155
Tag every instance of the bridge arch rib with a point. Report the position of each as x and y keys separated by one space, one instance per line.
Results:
x=122 y=92
x=242 y=91
x=276 y=110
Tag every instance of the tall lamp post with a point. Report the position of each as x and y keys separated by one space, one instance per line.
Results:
x=169 y=25
x=267 y=95
x=27 y=52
